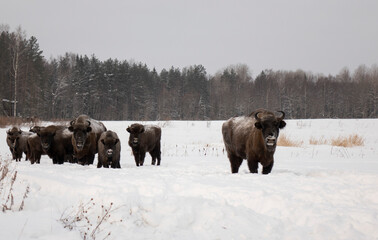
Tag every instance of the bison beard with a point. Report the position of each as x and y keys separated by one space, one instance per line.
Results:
x=253 y=138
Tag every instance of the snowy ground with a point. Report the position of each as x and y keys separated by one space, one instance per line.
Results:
x=314 y=191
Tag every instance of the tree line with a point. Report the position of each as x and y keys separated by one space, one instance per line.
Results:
x=69 y=85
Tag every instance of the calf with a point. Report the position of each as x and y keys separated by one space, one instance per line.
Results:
x=254 y=138
x=109 y=150
x=145 y=139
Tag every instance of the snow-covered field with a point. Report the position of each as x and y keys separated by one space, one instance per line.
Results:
x=314 y=191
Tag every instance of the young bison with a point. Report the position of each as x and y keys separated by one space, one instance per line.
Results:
x=109 y=150
x=17 y=142
x=253 y=138
x=145 y=139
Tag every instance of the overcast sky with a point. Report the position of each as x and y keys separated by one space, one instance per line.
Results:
x=317 y=36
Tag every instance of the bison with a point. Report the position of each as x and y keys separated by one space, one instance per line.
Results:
x=17 y=142
x=109 y=150
x=35 y=150
x=86 y=133
x=56 y=143
x=254 y=138
x=145 y=139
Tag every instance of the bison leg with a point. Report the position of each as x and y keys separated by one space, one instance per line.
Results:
x=99 y=164
x=157 y=154
x=235 y=163
x=136 y=157
x=267 y=169
x=90 y=159
x=142 y=155
x=253 y=165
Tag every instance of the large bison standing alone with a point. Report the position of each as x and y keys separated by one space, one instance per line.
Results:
x=145 y=139
x=86 y=133
x=253 y=138
x=109 y=150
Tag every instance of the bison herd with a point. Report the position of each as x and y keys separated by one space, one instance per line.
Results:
x=252 y=137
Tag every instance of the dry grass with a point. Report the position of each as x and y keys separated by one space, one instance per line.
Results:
x=11 y=121
x=349 y=141
x=285 y=141
x=319 y=141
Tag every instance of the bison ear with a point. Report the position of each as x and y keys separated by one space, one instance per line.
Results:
x=282 y=124
x=70 y=128
x=89 y=129
x=116 y=141
x=103 y=142
x=19 y=132
x=128 y=129
x=258 y=125
x=142 y=130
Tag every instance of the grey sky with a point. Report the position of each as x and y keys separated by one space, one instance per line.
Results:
x=317 y=36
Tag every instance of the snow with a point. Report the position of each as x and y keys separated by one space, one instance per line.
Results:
x=313 y=192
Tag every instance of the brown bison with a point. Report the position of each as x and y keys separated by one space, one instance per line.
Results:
x=56 y=143
x=109 y=150
x=86 y=133
x=145 y=139
x=253 y=138
x=17 y=142
x=35 y=150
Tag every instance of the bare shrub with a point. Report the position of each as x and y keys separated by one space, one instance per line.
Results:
x=8 y=177
x=349 y=141
x=84 y=219
x=285 y=141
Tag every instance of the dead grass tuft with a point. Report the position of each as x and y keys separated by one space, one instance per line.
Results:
x=352 y=140
x=285 y=141
x=319 y=141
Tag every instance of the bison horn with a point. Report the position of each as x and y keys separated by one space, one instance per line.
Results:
x=257 y=117
x=282 y=115
x=72 y=122
x=89 y=123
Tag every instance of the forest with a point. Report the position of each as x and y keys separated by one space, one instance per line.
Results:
x=66 y=86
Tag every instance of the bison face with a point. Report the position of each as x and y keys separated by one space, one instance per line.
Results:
x=270 y=126
x=12 y=136
x=109 y=147
x=46 y=139
x=80 y=134
x=135 y=130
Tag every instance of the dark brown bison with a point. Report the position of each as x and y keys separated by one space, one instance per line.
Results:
x=254 y=138
x=56 y=143
x=34 y=149
x=145 y=139
x=86 y=133
x=17 y=142
x=109 y=150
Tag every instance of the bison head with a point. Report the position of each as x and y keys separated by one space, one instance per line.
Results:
x=135 y=130
x=270 y=126
x=80 y=133
x=13 y=135
x=109 y=147
x=35 y=129
x=47 y=138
